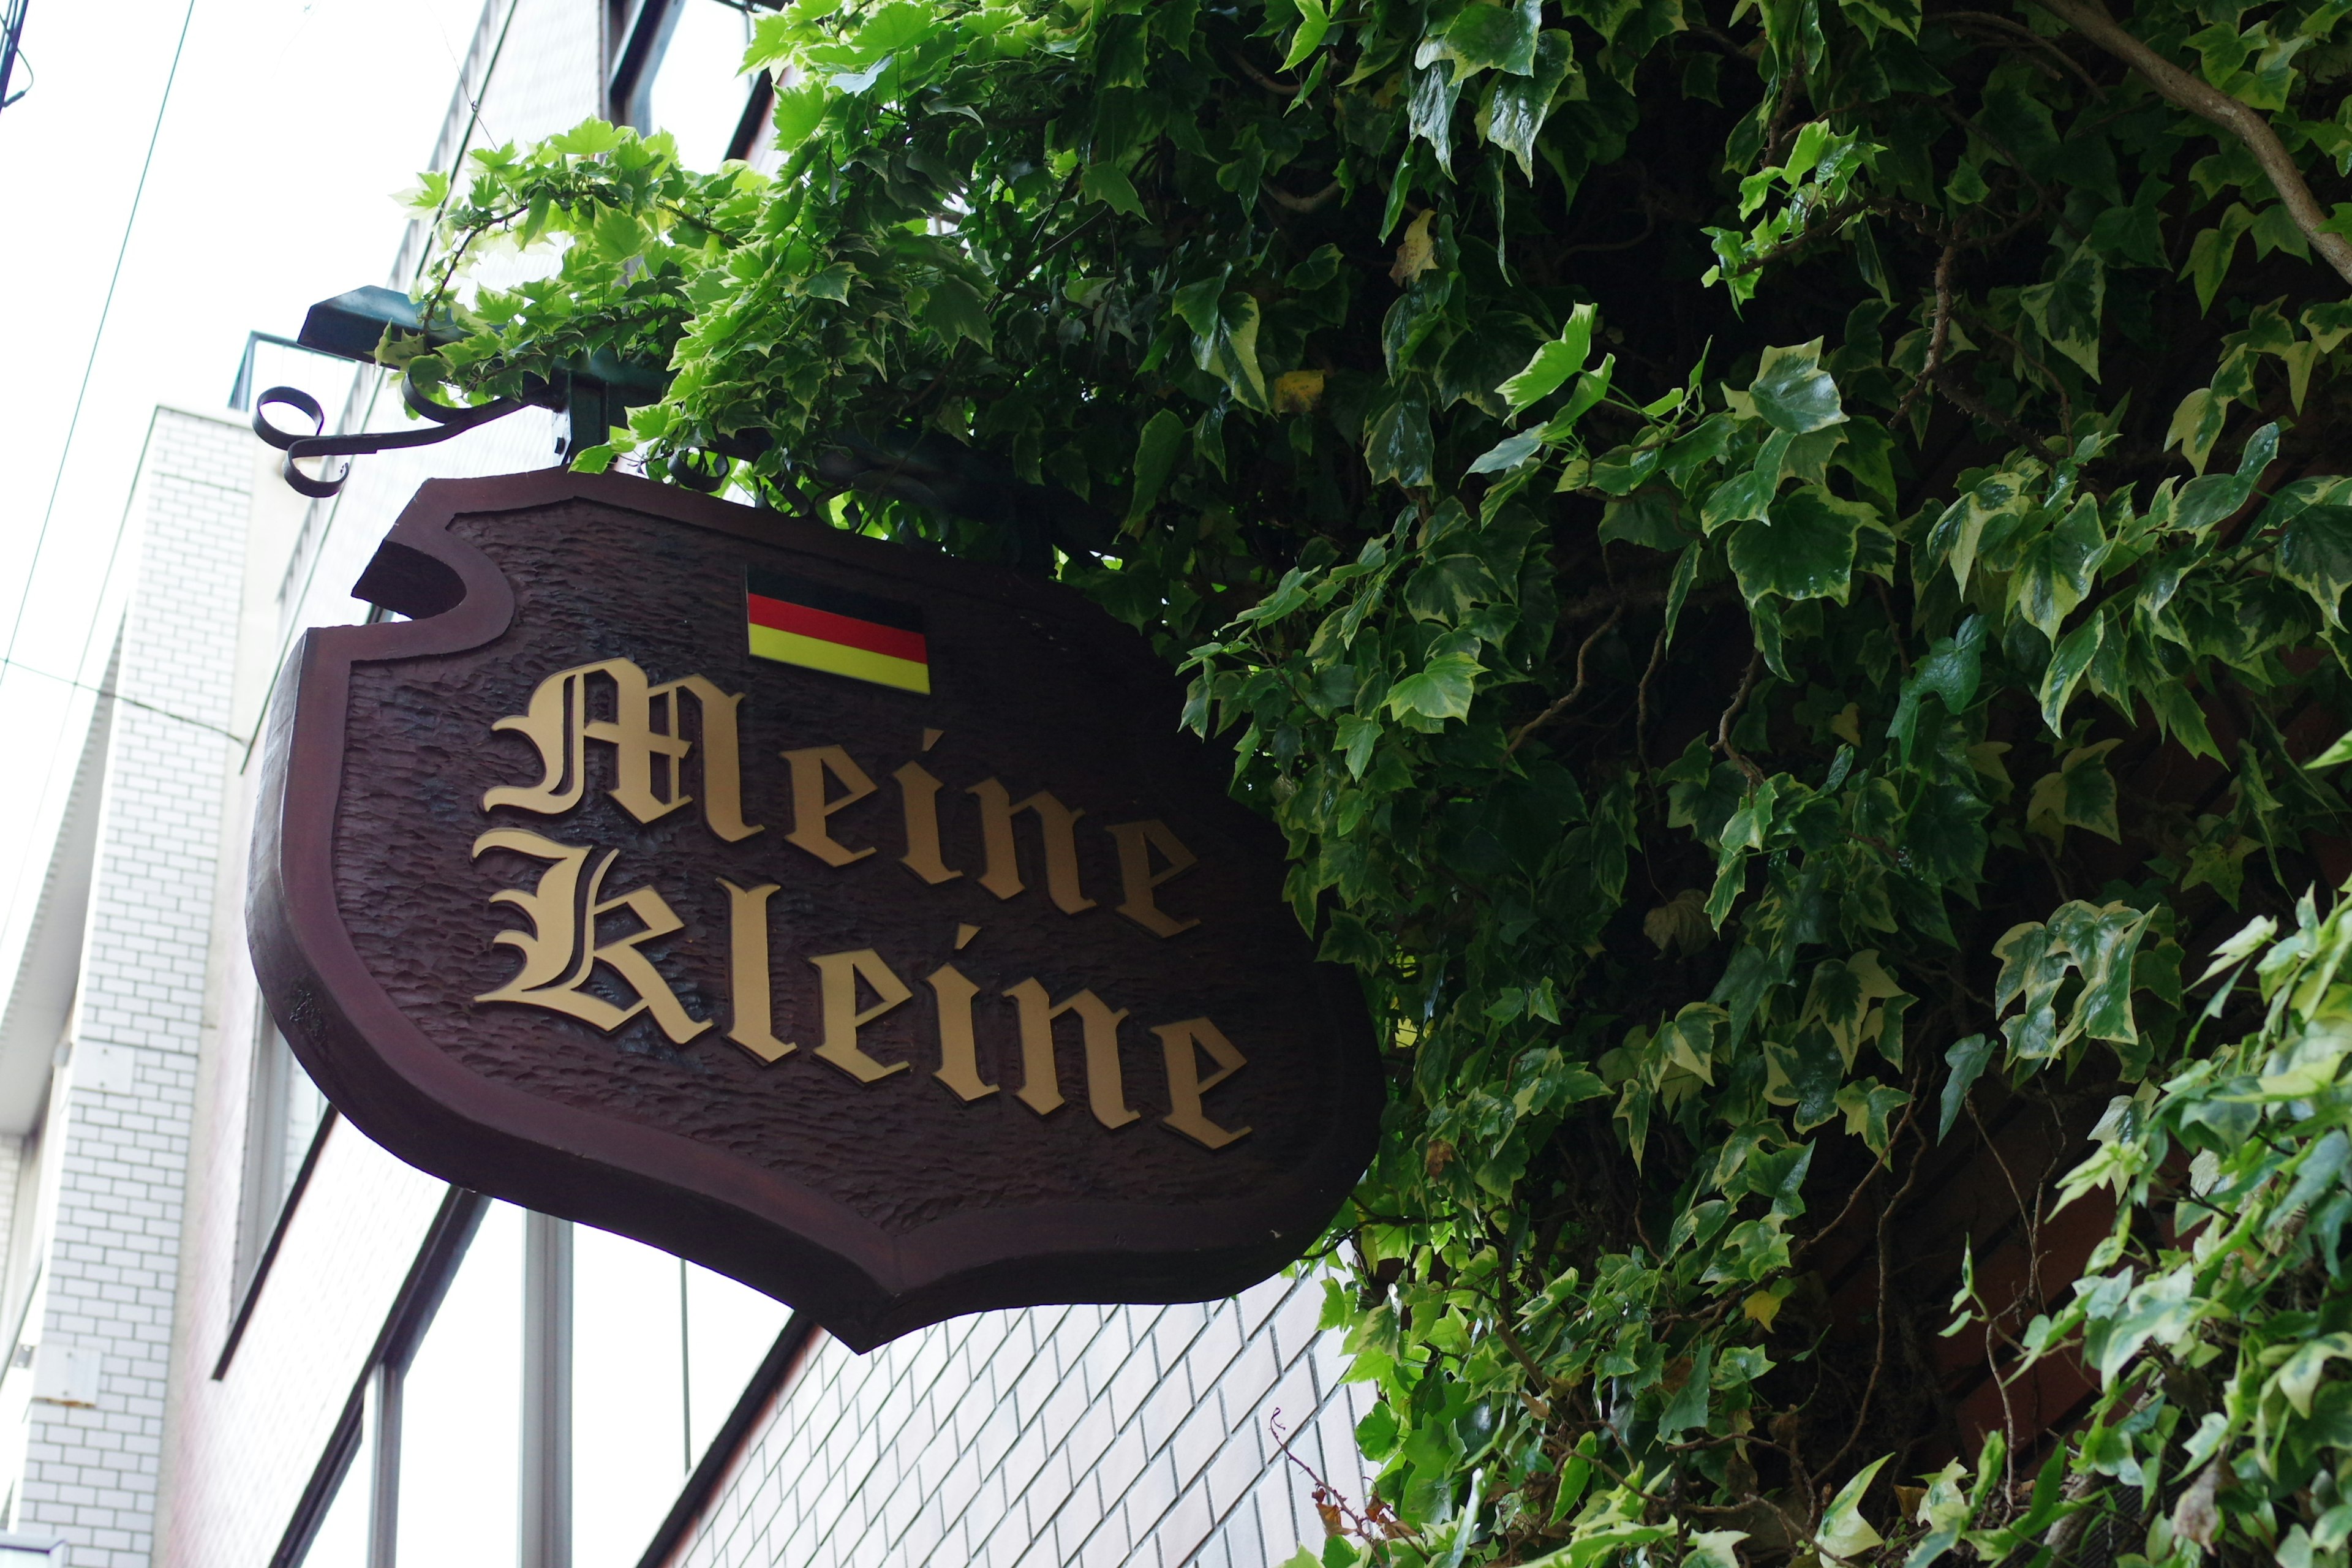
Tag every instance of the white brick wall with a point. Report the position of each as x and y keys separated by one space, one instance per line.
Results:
x=239 y=1450
x=1063 y=1437
x=92 y=1473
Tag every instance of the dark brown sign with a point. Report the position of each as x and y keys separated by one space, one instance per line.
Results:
x=853 y=921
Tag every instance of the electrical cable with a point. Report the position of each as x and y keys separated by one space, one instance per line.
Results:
x=12 y=40
x=40 y=540
x=81 y=662
x=109 y=694
x=73 y=423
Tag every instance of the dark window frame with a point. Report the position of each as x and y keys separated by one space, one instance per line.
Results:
x=778 y=1370
x=413 y=1307
x=377 y=1393
x=637 y=35
x=251 y=1295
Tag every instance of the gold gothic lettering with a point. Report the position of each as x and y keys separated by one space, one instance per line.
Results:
x=810 y=830
x=1041 y=1079
x=753 y=1022
x=919 y=791
x=1056 y=823
x=959 y=1054
x=1136 y=841
x=838 y=977
x=648 y=763
x=1180 y=1042
x=561 y=950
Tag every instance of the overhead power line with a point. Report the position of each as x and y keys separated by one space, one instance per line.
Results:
x=12 y=43
x=24 y=595
x=41 y=539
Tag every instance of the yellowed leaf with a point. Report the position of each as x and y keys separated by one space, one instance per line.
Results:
x=1298 y=391
x=1416 y=253
x=1765 y=1305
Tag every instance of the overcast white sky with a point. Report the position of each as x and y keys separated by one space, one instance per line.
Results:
x=291 y=125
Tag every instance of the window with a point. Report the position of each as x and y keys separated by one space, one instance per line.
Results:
x=698 y=97
x=341 y=1538
x=472 y=1444
x=461 y=1406
x=664 y=1350
x=677 y=67
x=284 y=1113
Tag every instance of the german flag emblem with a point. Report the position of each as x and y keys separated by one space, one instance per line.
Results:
x=794 y=621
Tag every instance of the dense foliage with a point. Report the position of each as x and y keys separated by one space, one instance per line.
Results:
x=1780 y=564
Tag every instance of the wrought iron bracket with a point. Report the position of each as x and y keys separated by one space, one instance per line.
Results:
x=444 y=422
x=927 y=468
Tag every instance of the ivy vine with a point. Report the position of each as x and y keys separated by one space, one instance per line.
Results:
x=1781 y=565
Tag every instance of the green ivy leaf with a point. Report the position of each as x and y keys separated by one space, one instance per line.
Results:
x=2072 y=657
x=1441 y=691
x=1356 y=736
x=2054 y=571
x=1314 y=22
x=1712 y=1548
x=1793 y=393
x=1949 y=673
x=2104 y=942
x=1967 y=1057
x=2300 y=1376
x=1803 y=550
x=896 y=25
x=1687 y=1408
x=2210 y=253
x=2315 y=553
x=2197 y=424
x=1108 y=183
x=955 y=310
x=1895 y=16
x=589 y=138
x=1869 y=1108
x=1518 y=106
x=1447 y=587
x=1399 y=445
x=1155 y=456
x=2070 y=308
x=1224 y=343
x=1844 y=1532
x=799 y=111
x=1552 y=364
x=833 y=283
x=1508 y=453
x=2080 y=793
x=1501 y=38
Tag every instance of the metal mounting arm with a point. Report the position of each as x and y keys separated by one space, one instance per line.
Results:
x=447 y=422
x=923 y=466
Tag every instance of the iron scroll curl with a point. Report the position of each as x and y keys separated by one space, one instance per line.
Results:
x=447 y=421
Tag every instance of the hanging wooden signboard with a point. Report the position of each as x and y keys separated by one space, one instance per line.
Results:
x=853 y=921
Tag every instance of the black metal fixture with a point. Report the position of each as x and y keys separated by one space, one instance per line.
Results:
x=446 y=422
x=596 y=393
x=926 y=468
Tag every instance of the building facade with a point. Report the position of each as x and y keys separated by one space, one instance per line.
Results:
x=245 y=1334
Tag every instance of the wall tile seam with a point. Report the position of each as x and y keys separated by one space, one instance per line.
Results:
x=1268 y=1463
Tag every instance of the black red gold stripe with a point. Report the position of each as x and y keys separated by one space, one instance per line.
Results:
x=818 y=626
